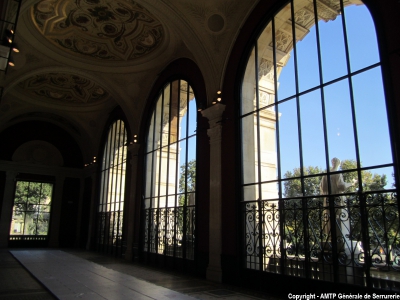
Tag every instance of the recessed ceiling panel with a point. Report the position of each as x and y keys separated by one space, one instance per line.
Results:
x=63 y=87
x=112 y=30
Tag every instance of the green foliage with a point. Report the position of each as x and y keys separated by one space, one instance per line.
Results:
x=311 y=184
x=294 y=223
x=292 y=188
x=32 y=203
x=187 y=179
x=370 y=182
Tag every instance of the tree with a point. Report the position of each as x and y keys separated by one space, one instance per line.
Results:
x=294 y=222
x=187 y=180
x=292 y=188
x=32 y=203
x=187 y=187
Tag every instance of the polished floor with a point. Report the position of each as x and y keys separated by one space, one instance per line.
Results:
x=55 y=274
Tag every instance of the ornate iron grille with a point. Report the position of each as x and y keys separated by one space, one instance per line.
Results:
x=165 y=233
x=351 y=238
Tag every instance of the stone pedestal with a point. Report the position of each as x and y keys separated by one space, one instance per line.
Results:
x=214 y=115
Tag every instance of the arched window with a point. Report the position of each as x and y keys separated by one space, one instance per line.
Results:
x=318 y=190
x=112 y=190
x=170 y=179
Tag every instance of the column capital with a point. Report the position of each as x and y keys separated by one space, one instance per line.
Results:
x=134 y=148
x=214 y=114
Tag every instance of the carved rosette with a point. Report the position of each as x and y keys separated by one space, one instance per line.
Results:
x=114 y=30
x=64 y=88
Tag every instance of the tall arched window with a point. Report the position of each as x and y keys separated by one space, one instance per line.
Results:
x=112 y=190
x=318 y=190
x=170 y=179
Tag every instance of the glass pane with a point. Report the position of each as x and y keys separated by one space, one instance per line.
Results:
x=192 y=117
x=158 y=124
x=162 y=202
x=312 y=183
x=307 y=54
x=292 y=188
x=150 y=135
x=372 y=125
x=248 y=86
x=285 y=55
x=266 y=73
x=175 y=111
x=29 y=225
x=268 y=153
x=361 y=39
x=154 y=202
x=47 y=191
x=166 y=115
x=44 y=208
x=17 y=222
x=182 y=166
x=249 y=149
x=250 y=193
x=42 y=224
x=270 y=190
x=150 y=159
x=172 y=169
x=171 y=200
x=333 y=54
x=191 y=148
x=288 y=137
x=378 y=179
x=163 y=175
x=339 y=121
x=312 y=130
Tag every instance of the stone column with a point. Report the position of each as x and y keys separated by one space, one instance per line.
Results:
x=93 y=208
x=214 y=114
x=132 y=245
x=6 y=210
x=55 y=214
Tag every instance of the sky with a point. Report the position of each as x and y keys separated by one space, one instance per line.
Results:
x=370 y=108
x=368 y=93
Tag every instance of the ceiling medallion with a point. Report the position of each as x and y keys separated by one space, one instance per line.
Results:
x=64 y=88
x=114 y=30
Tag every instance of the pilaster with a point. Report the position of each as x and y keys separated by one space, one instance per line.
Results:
x=6 y=210
x=214 y=115
x=131 y=252
x=54 y=230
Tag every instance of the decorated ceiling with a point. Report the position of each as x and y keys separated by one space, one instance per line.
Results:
x=61 y=87
x=112 y=30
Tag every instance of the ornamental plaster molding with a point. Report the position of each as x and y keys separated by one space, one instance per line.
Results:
x=101 y=30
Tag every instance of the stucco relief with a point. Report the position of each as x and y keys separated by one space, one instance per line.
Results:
x=99 y=29
x=64 y=88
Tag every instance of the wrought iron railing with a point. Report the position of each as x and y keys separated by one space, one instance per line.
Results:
x=170 y=231
x=348 y=238
x=109 y=235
